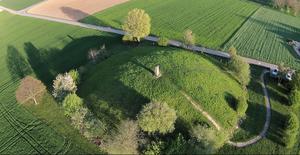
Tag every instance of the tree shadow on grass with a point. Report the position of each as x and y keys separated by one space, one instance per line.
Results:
x=231 y=100
x=17 y=64
x=47 y=63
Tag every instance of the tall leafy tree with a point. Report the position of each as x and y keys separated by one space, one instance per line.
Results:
x=137 y=25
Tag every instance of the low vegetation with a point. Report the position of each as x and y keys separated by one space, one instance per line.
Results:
x=157 y=118
x=17 y=4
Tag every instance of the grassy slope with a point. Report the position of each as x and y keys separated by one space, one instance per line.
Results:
x=18 y=4
x=127 y=83
x=251 y=127
x=264 y=37
x=212 y=21
x=50 y=48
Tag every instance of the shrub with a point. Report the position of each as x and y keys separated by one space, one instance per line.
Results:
x=296 y=80
x=157 y=117
x=137 y=25
x=295 y=98
x=75 y=76
x=154 y=148
x=209 y=139
x=123 y=141
x=242 y=106
x=291 y=130
x=30 y=89
x=72 y=103
x=189 y=38
x=163 y=41
x=63 y=85
x=177 y=146
x=240 y=67
x=96 y=54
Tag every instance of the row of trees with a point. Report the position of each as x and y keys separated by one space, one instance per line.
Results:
x=293 y=5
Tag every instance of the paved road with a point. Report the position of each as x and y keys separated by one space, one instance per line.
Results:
x=263 y=133
x=149 y=38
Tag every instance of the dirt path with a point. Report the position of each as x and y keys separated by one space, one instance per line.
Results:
x=204 y=113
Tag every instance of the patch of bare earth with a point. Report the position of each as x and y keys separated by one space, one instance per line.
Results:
x=73 y=10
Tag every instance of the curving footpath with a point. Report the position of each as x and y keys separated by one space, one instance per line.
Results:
x=149 y=38
x=263 y=133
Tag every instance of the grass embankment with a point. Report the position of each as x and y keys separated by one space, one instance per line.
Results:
x=127 y=83
x=212 y=21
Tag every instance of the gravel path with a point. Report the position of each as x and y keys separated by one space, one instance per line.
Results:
x=263 y=133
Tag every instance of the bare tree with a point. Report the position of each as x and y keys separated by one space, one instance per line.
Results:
x=279 y=3
x=30 y=89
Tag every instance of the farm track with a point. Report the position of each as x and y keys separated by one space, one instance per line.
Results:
x=149 y=38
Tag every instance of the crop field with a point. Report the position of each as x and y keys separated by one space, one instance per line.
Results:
x=212 y=21
x=127 y=83
x=18 y=4
x=264 y=37
x=49 y=48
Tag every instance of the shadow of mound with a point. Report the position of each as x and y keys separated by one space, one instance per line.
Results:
x=47 y=63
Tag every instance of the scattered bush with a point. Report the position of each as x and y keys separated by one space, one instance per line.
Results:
x=125 y=140
x=291 y=130
x=95 y=54
x=163 y=41
x=189 y=38
x=242 y=106
x=295 y=98
x=30 y=89
x=72 y=103
x=154 y=148
x=63 y=85
x=157 y=117
x=75 y=76
x=137 y=25
x=209 y=139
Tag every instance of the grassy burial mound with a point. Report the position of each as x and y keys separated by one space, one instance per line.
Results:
x=45 y=49
x=18 y=4
x=118 y=87
x=212 y=21
x=264 y=36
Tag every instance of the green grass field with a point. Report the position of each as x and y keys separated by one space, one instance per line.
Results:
x=49 y=48
x=127 y=83
x=18 y=4
x=254 y=123
x=264 y=37
x=212 y=21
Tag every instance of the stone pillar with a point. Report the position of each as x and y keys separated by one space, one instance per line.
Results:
x=157 y=71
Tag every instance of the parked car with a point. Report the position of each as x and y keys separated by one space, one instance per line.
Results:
x=274 y=72
x=288 y=76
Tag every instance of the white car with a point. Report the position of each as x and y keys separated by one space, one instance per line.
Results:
x=288 y=76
